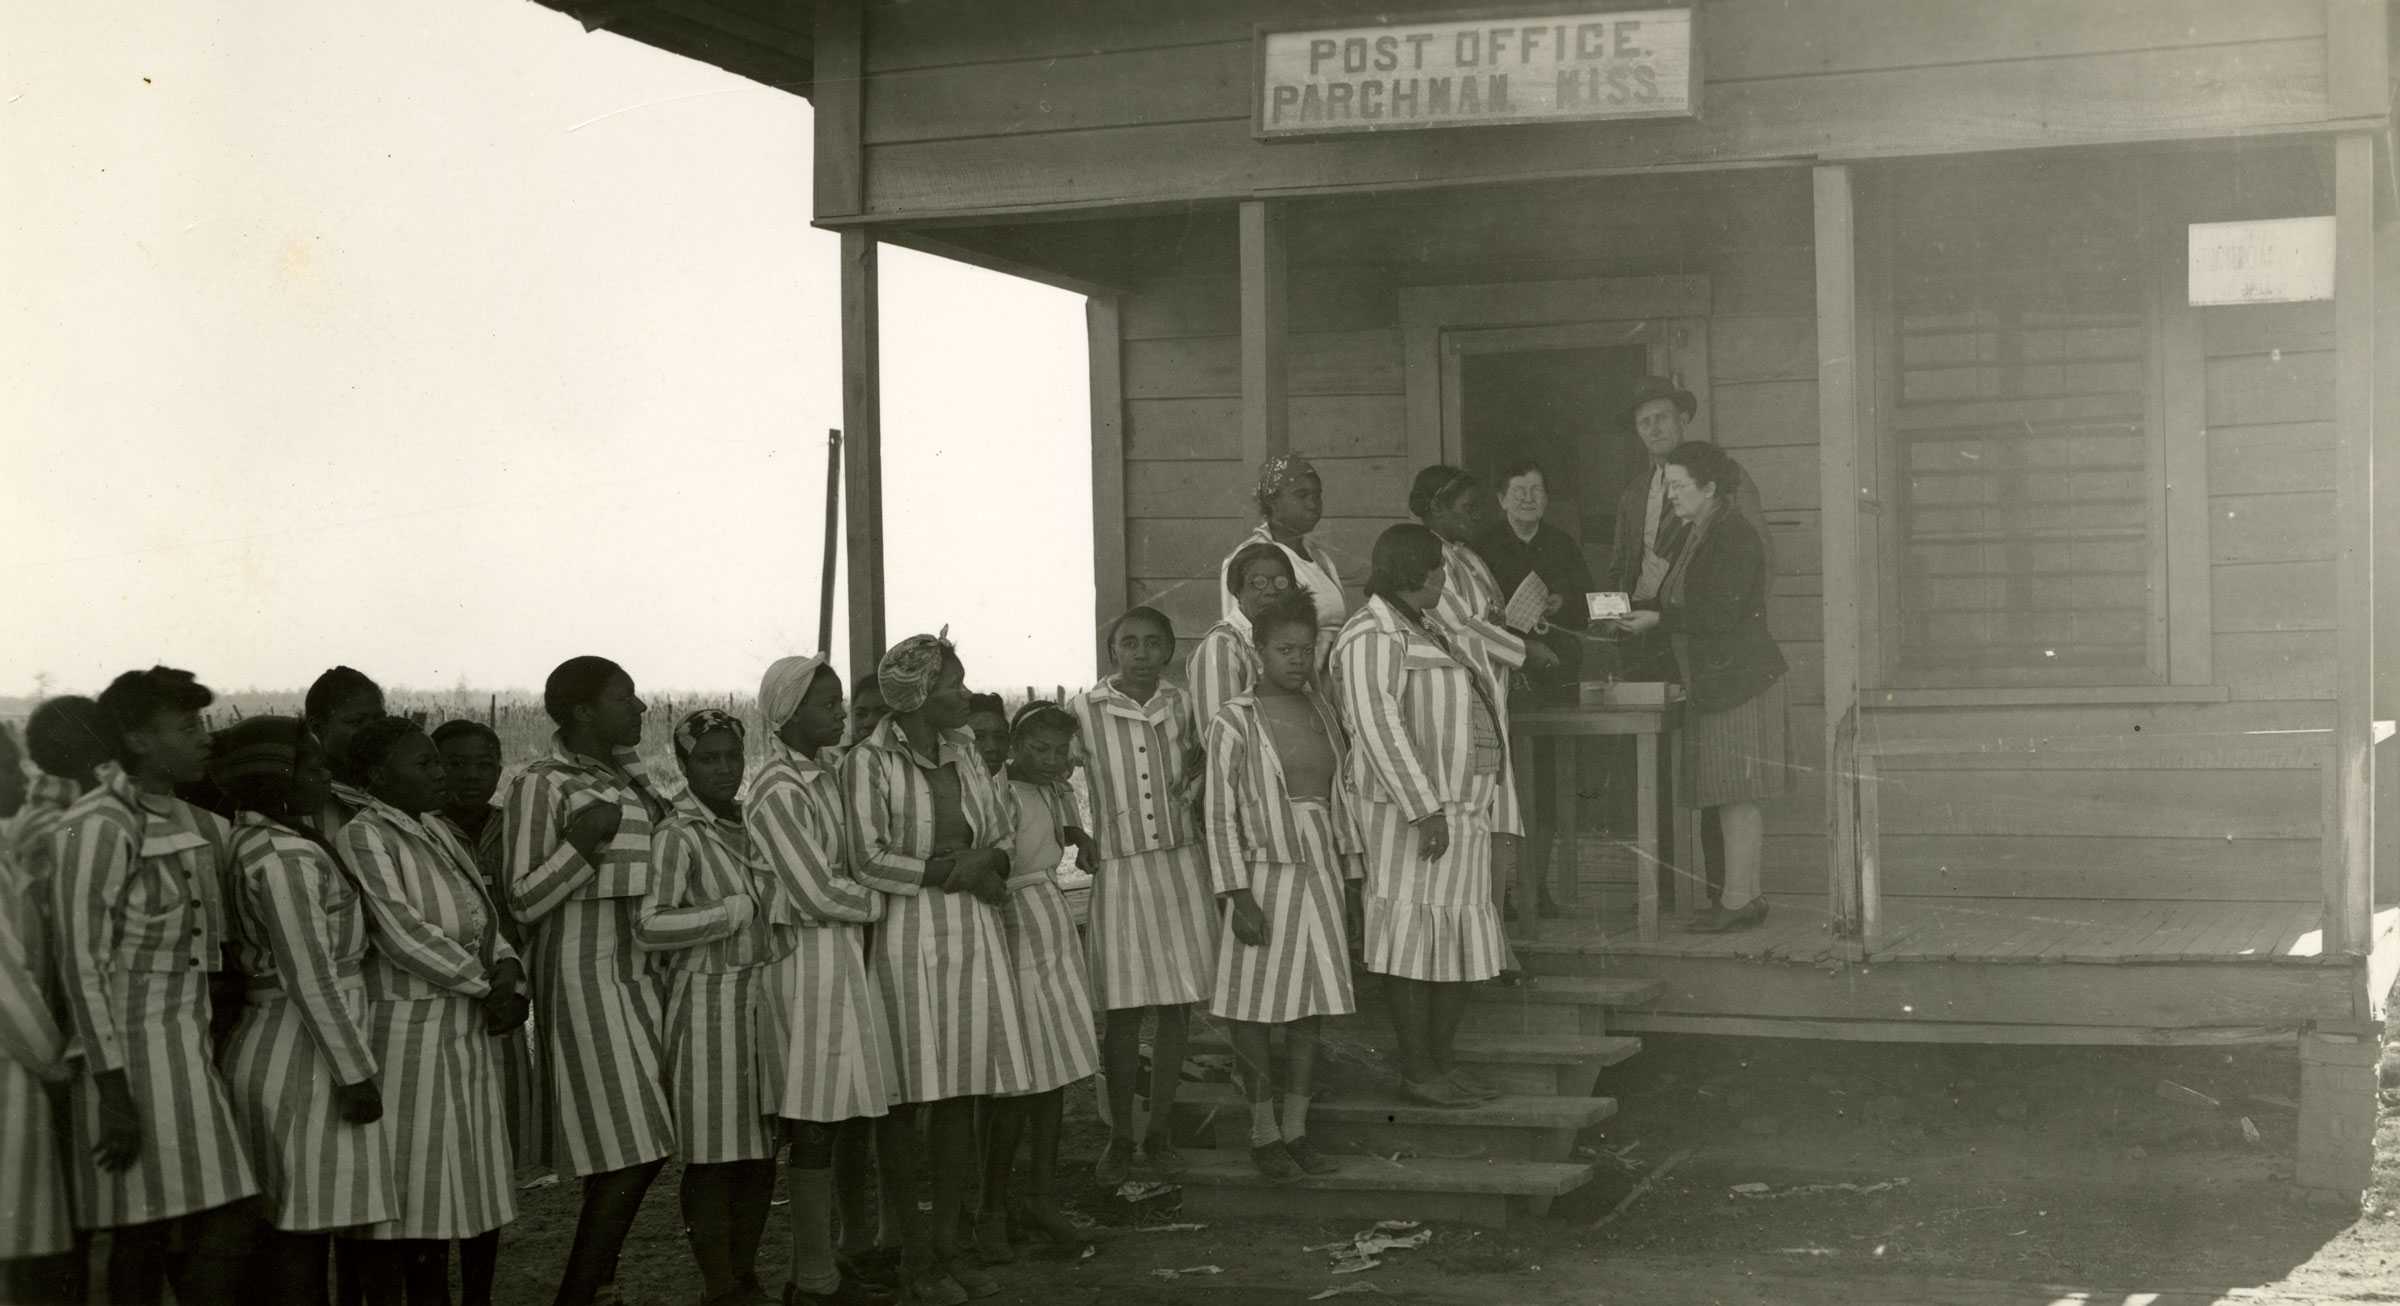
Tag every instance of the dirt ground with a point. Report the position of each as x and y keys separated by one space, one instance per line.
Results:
x=2004 y=1175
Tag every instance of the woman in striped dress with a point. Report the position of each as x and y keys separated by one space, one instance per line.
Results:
x=577 y=826
x=1291 y=501
x=139 y=900
x=1152 y=917
x=1427 y=759
x=1281 y=845
x=337 y=704
x=931 y=832
x=299 y=1066
x=1226 y=662
x=1054 y=999
x=443 y=987
x=471 y=765
x=725 y=1011
x=36 y=1238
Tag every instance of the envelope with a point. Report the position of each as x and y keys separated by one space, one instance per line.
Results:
x=1603 y=604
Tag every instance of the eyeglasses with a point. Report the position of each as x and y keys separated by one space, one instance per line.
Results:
x=1267 y=584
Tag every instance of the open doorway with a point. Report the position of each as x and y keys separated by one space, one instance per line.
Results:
x=1564 y=408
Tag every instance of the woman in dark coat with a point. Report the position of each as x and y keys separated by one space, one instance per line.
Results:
x=1713 y=608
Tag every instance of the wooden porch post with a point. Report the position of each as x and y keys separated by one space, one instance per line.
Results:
x=862 y=428
x=2349 y=901
x=1839 y=436
x=1104 y=347
x=1266 y=417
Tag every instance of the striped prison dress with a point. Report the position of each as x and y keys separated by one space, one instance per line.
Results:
x=727 y=1010
x=1292 y=854
x=838 y=1062
x=33 y=846
x=436 y=944
x=300 y=937
x=1153 y=919
x=33 y=1210
x=941 y=958
x=139 y=898
x=520 y=1068
x=1054 y=996
x=1312 y=568
x=1412 y=710
x=1225 y=664
x=595 y=1004
x=1469 y=595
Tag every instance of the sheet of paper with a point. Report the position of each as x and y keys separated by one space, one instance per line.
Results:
x=1529 y=605
x=1604 y=604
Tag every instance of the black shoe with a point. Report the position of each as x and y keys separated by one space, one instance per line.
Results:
x=1707 y=920
x=1274 y=1162
x=1311 y=1161
x=1747 y=916
x=877 y=1267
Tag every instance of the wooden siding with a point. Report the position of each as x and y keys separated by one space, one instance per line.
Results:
x=976 y=107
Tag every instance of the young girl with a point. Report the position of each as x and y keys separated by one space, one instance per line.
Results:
x=705 y=915
x=471 y=765
x=141 y=919
x=1281 y=843
x=442 y=988
x=577 y=826
x=36 y=1244
x=987 y=716
x=1151 y=915
x=1226 y=662
x=931 y=832
x=837 y=1074
x=1053 y=999
x=1427 y=763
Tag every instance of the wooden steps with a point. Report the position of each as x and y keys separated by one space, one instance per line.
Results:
x=1382 y=1124
x=1558 y=1004
x=1222 y=1184
x=1532 y=1065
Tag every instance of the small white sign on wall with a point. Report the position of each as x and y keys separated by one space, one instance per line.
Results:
x=2278 y=261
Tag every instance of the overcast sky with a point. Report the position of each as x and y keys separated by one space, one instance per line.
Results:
x=448 y=340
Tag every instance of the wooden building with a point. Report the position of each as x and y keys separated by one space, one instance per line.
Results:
x=2067 y=438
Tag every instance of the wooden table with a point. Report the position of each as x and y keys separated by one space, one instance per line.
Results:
x=1650 y=723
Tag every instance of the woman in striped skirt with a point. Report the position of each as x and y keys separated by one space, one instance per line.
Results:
x=931 y=831
x=36 y=1240
x=471 y=765
x=299 y=1067
x=725 y=1011
x=443 y=987
x=578 y=824
x=1226 y=661
x=1054 y=999
x=139 y=898
x=837 y=1074
x=1152 y=918
x=1427 y=758
x=1281 y=845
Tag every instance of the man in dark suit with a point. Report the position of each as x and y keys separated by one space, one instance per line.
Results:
x=1647 y=538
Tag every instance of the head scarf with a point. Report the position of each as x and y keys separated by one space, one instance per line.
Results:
x=1280 y=473
x=689 y=730
x=908 y=671
x=785 y=684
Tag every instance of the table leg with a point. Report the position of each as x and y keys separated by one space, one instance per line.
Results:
x=1645 y=826
x=1691 y=883
x=1566 y=849
x=1520 y=747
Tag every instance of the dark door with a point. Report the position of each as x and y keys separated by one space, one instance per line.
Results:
x=1566 y=409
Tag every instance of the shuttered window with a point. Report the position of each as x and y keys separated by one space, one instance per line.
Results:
x=2022 y=475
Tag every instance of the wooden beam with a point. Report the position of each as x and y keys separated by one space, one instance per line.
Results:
x=2349 y=905
x=862 y=439
x=2358 y=61
x=1104 y=345
x=924 y=243
x=1838 y=343
x=840 y=102
x=1266 y=415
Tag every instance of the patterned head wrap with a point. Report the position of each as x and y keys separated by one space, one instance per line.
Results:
x=785 y=684
x=689 y=730
x=1280 y=473
x=908 y=671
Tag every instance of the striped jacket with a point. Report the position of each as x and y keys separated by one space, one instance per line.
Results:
x=1469 y=593
x=891 y=807
x=435 y=932
x=704 y=861
x=1410 y=707
x=300 y=927
x=1059 y=801
x=1250 y=819
x=33 y=846
x=139 y=887
x=1143 y=766
x=545 y=870
x=1224 y=665
x=798 y=824
x=29 y=1034
x=491 y=862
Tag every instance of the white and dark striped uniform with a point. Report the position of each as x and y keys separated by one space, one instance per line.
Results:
x=33 y=846
x=520 y=1067
x=941 y=958
x=596 y=1006
x=1225 y=664
x=1411 y=709
x=140 y=902
x=838 y=1062
x=33 y=1215
x=1292 y=855
x=1054 y=996
x=300 y=936
x=1152 y=939
x=1312 y=568
x=727 y=1012
x=436 y=943
x=1469 y=592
